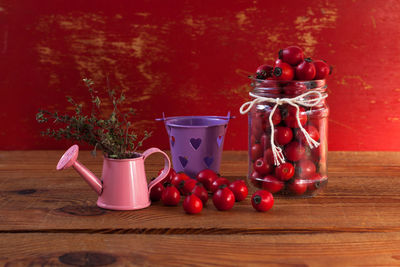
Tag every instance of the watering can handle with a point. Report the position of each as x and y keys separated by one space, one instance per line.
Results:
x=164 y=172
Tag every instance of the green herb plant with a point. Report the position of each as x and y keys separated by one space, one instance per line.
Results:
x=112 y=134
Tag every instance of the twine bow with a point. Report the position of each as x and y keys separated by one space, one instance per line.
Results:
x=308 y=99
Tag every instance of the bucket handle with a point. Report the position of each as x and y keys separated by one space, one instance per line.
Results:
x=229 y=117
x=161 y=119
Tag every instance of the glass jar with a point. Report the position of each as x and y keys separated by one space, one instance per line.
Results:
x=291 y=162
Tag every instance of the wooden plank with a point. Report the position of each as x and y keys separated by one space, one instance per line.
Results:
x=330 y=215
x=338 y=249
x=34 y=197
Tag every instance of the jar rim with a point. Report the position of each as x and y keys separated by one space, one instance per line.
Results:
x=279 y=83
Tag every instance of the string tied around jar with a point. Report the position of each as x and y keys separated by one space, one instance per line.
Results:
x=309 y=99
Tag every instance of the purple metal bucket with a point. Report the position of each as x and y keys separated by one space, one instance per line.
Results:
x=196 y=142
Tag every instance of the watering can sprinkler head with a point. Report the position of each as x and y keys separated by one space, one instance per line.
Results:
x=69 y=159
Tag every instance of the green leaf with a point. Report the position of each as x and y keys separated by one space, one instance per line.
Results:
x=122 y=98
x=88 y=82
x=94 y=152
x=114 y=135
x=97 y=101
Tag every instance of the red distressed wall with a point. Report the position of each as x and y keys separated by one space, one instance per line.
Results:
x=192 y=58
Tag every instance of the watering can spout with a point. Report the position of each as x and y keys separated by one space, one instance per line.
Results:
x=69 y=159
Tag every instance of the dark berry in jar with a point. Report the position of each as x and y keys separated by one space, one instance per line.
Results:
x=256 y=151
x=276 y=117
x=292 y=55
x=283 y=72
x=278 y=61
x=255 y=179
x=262 y=166
x=312 y=132
x=257 y=125
x=314 y=182
x=298 y=186
x=265 y=141
x=284 y=171
x=305 y=71
x=291 y=117
x=283 y=135
x=316 y=153
x=294 y=89
x=253 y=140
x=322 y=69
x=305 y=168
x=272 y=184
x=264 y=71
x=294 y=151
x=269 y=156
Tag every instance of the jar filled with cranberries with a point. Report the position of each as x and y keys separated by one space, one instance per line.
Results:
x=288 y=142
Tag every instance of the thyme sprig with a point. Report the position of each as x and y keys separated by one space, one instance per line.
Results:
x=112 y=134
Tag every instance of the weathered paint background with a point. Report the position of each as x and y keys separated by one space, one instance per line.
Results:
x=192 y=58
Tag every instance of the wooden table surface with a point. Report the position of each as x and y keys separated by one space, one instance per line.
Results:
x=49 y=218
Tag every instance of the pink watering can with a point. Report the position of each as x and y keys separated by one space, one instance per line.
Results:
x=123 y=185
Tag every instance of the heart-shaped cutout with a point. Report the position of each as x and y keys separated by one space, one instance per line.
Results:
x=183 y=160
x=219 y=140
x=172 y=140
x=195 y=142
x=208 y=161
